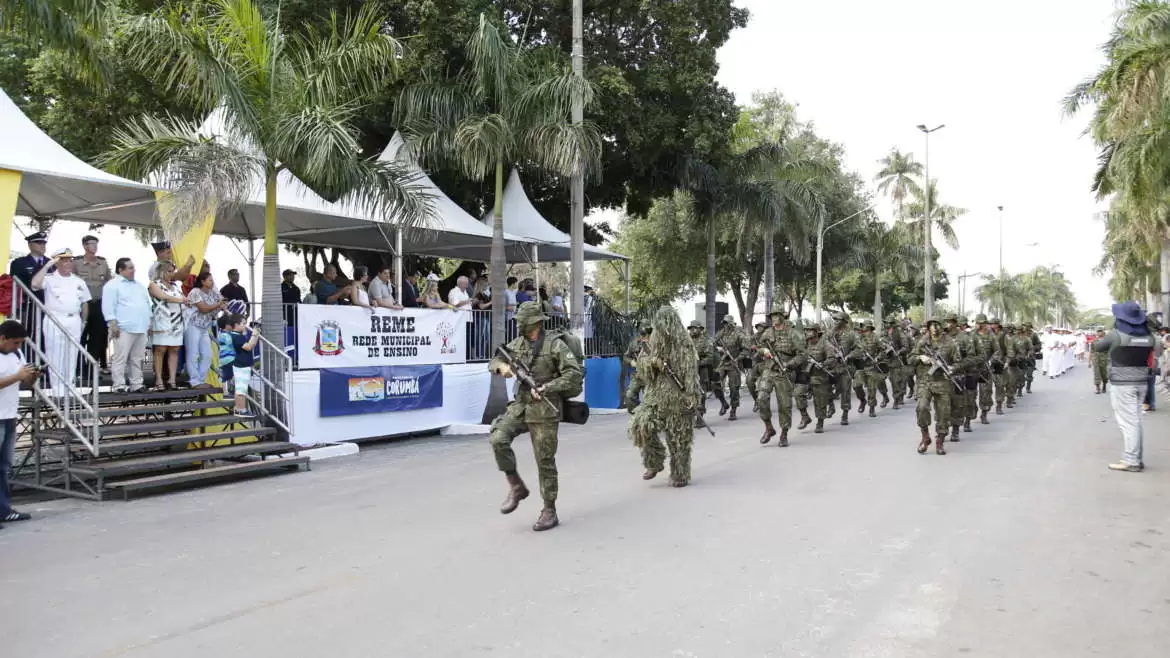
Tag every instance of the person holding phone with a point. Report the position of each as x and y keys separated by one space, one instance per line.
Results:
x=13 y=372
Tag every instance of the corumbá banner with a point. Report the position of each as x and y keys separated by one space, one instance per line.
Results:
x=348 y=336
x=379 y=389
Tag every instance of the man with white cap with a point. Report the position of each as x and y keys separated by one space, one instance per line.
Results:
x=66 y=301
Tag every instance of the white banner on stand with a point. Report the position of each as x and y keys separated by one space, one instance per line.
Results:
x=351 y=336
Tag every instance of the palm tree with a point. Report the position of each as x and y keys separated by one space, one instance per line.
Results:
x=898 y=177
x=75 y=28
x=289 y=103
x=943 y=216
x=893 y=250
x=1000 y=293
x=507 y=107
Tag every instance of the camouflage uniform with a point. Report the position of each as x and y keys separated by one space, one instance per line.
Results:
x=934 y=387
x=1024 y=355
x=702 y=344
x=1099 y=361
x=842 y=342
x=666 y=409
x=899 y=349
x=560 y=375
x=872 y=373
x=962 y=399
x=1015 y=359
x=820 y=379
x=1001 y=379
x=731 y=339
x=753 y=374
x=991 y=359
x=783 y=345
x=631 y=358
x=1037 y=349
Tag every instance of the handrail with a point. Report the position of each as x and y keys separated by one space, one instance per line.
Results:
x=77 y=408
x=275 y=395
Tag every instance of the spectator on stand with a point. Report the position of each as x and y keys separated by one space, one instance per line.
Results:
x=358 y=294
x=241 y=342
x=460 y=301
x=290 y=296
x=95 y=272
x=587 y=321
x=127 y=307
x=26 y=267
x=527 y=288
x=66 y=301
x=189 y=283
x=166 y=327
x=381 y=295
x=481 y=302
x=205 y=303
x=327 y=290
x=164 y=254
x=410 y=291
x=510 y=309
x=1130 y=346
x=431 y=298
x=234 y=291
x=13 y=372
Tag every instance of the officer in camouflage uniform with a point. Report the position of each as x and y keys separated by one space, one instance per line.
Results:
x=1037 y=353
x=631 y=357
x=801 y=378
x=821 y=368
x=873 y=373
x=960 y=413
x=899 y=349
x=667 y=409
x=1015 y=363
x=730 y=347
x=1024 y=354
x=991 y=363
x=783 y=354
x=1001 y=379
x=559 y=375
x=753 y=375
x=1099 y=361
x=933 y=385
x=702 y=343
x=842 y=343
x=1030 y=363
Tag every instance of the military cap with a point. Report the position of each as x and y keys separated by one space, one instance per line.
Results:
x=760 y=325
x=995 y=320
x=814 y=327
x=951 y=317
x=963 y=321
x=980 y=319
x=930 y=322
x=729 y=319
x=64 y=252
x=37 y=237
x=645 y=326
x=867 y=324
x=530 y=313
x=695 y=324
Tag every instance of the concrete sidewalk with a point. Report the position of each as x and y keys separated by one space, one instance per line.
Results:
x=1018 y=543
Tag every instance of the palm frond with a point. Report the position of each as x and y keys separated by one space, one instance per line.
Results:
x=353 y=59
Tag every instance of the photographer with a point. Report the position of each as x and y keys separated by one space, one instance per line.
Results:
x=13 y=372
x=1131 y=346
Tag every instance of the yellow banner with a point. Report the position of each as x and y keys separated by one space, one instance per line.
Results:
x=9 y=191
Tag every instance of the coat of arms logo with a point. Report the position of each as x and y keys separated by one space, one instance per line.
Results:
x=329 y=340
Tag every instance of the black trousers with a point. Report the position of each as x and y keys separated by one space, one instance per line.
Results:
x=95 y=336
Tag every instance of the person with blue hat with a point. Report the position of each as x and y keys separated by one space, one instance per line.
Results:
x=26 y=267
x=1132 y=348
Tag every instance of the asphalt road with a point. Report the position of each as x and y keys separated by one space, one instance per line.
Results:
x=1019 y=542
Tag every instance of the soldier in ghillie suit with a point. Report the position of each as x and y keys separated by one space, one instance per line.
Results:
x=631 y=357
x=934 y=386
x=558 y=376
x=1100 y=364
x=783 y=355
x=731 y=346
x=668 y=404
x=704 y=368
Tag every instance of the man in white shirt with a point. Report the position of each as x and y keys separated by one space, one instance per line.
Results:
x=66 y=300
x=381 y=295
x=461 y=302
x=13 y=371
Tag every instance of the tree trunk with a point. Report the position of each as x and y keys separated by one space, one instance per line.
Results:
x=1164 y=262
x=271 y=314
x=498 y=391
x=769 y=273
x=877 y=297
x=710 y=303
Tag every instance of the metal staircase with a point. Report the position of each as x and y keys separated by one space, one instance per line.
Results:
x=89 y=442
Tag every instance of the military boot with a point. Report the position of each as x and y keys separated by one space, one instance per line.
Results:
x=548 y=518
x=955 y=433
x=783 y=438
x=755 y=405
x=1029 y=388
x=731 y=416
x=885 y=400
x=723 y=406
x=1097 y=389
x=516 y=493
x=844 y=416
x=939 y=443
x=872 y=413
x=1103 y=385
x=805 y=421
x=769 y=432
x=699 y=422
x=983 y=418
x=861 y=405
x=924 y=444
x=820 y=428
x=897 y=404
x=998 y=408
x=967 y=425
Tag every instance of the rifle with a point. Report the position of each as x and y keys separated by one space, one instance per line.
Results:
x=727 y=354
x=818 y=364
x=783 y=371
x=937 y=363
x=678 y=382
x=523 y=373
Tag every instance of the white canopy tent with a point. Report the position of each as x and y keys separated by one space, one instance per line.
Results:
x=55 y=183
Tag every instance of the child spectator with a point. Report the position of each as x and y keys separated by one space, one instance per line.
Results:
x=242 y=342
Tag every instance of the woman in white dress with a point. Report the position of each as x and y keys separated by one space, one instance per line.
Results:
x=359 y=295
x=166 y=324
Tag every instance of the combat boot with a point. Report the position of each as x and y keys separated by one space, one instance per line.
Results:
x=983 y=418
x=805 y=421
x=861 y=405
x=1097 y=389
x=897 y=405
x=548 y=518
x=731 y=416
x=1103 y=386
x=769 y=432
x=783 y=438
x=820 y=428
x=1029 y=388
x=872 y=413
x=885 y=400
x=939 y=442
x=723 y=406
x=755 y=405
x=844 y=416
x=967 y=425
x=699 y=422
x=516 y=493
x=998 y=408
x=955 y=433
x=924 y=444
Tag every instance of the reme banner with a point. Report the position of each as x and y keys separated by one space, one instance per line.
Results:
x=378 y=389
x=352 y=336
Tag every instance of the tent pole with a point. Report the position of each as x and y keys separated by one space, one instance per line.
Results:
x=627 y=287
x=398 y=263
x=536 y=265
x=251 y=269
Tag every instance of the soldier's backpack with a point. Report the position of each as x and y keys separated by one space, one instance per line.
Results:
x=572 y=342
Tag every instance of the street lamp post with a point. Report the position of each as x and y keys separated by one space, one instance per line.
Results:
x=577 y=187
x=963 y=290
x=928 y=265
x=821 y=231
x=1001 y=239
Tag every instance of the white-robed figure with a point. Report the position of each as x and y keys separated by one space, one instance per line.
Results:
x=1047 y=343
x=1070 y=348
x=66 y=300
x=1081 y=345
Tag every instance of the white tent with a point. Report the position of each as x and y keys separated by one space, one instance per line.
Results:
x=56 y=183
x=522 y=219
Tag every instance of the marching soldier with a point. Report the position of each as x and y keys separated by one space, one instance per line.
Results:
x=931 y=353
x=730 y=346
x=960 y=412
x=899 y=349
x=991 y=363
x=559 y=376
x=631 y=359
x=843 y=342
x=1015 y=359
x=822 y=366
x=1100 y=364
x=703 y=349
x=782 y=356
x=873 y=374
x=670 y=399
x=1032 y=347
x=757 y=361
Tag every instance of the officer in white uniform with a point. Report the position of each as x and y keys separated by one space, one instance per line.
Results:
x=66 y=297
